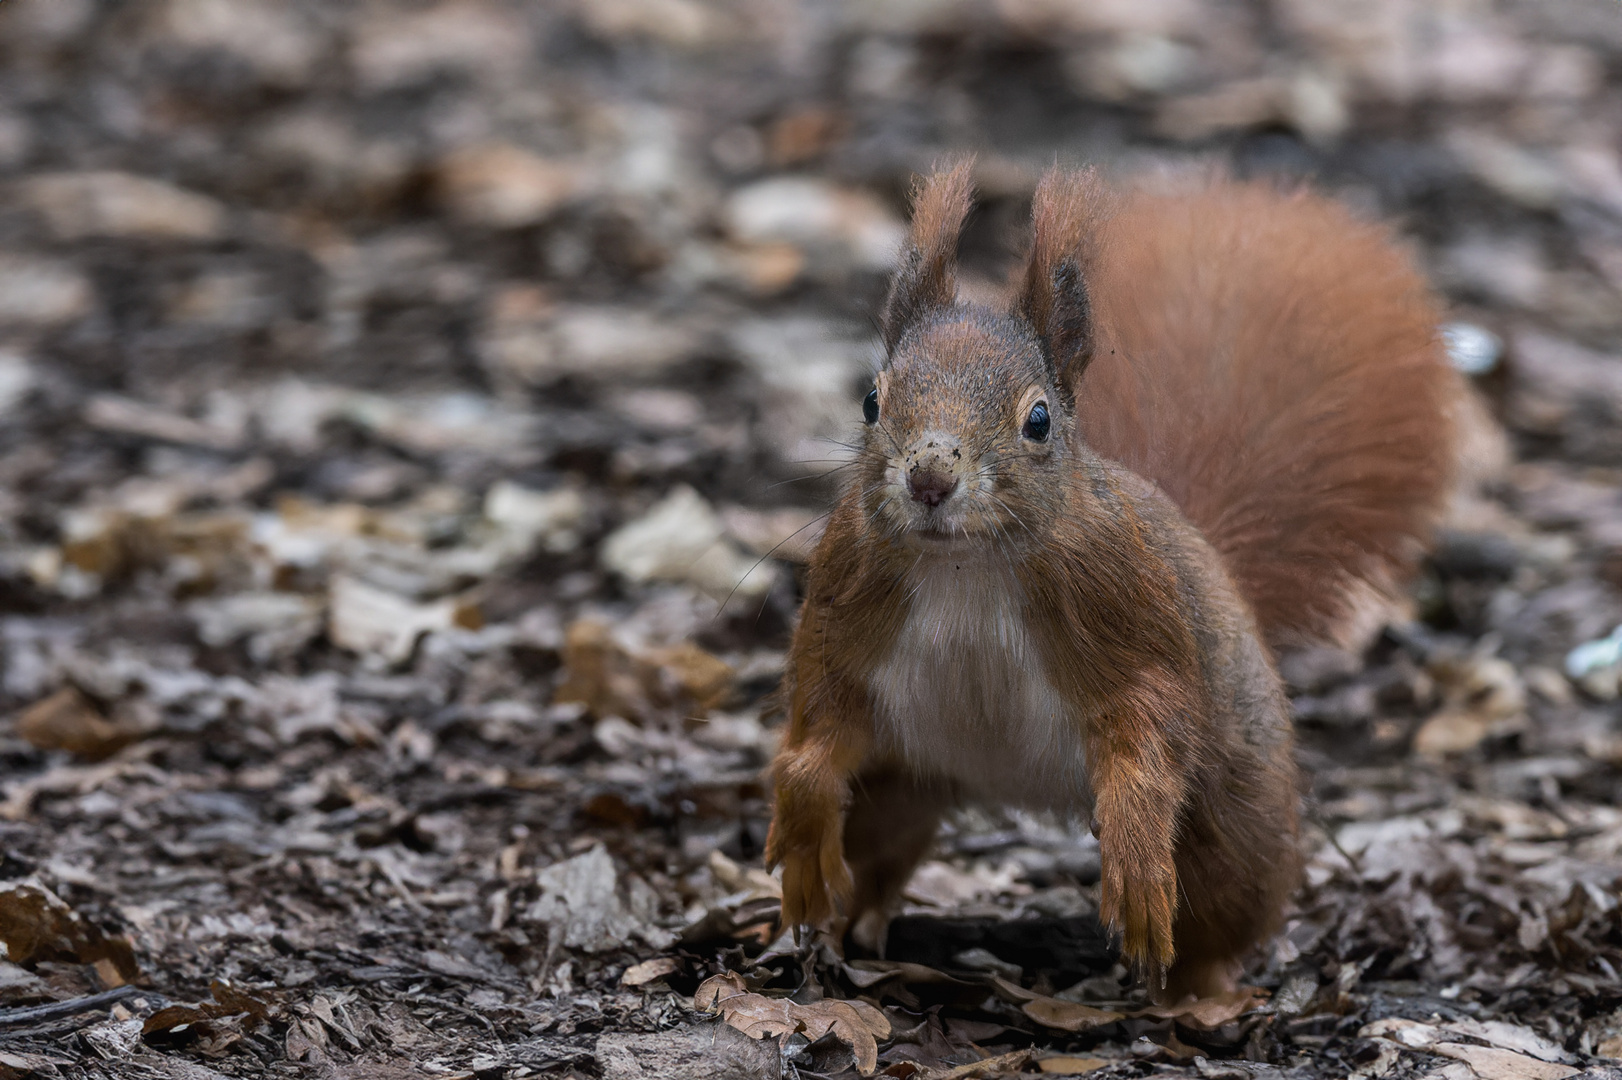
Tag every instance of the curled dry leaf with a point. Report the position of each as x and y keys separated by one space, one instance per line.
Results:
x=36 y=924
x=215 y=1024
x=855 y=1023
x=1208 y=1014
x=68 y=721
x=1070 y=1066
x=1501 y=1061
x=1490 y=1063
x=612 y=679
x=1053 y=1012
x=1068 y=1015
x=649 y=970
x=1001 y=1065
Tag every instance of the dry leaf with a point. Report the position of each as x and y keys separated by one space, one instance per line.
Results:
x=649 y=970
x=702 y=677
x=1451 y=731
x=68 y=721
x=366 y=619
x=1000 y=1065
x=1070 y=1066
x=1068 y=1015
x=759 y=1017
x=1212 y=1012
x=1054 y=1012
x=214 y=1025
x=716 y=989
x=1509 y=1037
x=610 y=679
x=855 y=1023
x=36 y=924
x=1491 y=1063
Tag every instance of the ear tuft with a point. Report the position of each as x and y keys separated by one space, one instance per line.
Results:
x=927 y=278
x=1066 y=211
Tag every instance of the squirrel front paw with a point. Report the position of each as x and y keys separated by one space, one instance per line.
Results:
x=816 y=881
x=1138 y=900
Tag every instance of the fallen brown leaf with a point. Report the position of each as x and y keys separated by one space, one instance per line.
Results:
x=228 y=1002
x=1068 y=1015
x=649 y=970
x=1000 y=1065
x=36 y=924
x=1053 y=1012
x=610 y=679
x=68 y=721
x=1070 y=1066
x=855 y=1023
x=1212 y=1012
x=1494 y=1064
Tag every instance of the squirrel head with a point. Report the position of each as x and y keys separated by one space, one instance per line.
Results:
x=971 y=419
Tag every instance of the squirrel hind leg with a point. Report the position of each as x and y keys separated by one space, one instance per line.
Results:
x=889 y=828
x=1236 y=866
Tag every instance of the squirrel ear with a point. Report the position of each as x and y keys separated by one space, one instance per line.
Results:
x=927 y=278
x=1053 y=298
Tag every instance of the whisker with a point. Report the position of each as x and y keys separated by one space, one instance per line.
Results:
x=813 y=476
x=763 y=558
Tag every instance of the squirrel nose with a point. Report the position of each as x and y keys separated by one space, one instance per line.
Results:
x=930 y=488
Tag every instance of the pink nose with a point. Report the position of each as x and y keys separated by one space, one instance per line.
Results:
x=930 y=488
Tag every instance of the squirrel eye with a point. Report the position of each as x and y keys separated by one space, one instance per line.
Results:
x=1038 y=422
x=870 y=406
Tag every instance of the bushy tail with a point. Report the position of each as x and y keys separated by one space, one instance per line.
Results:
x=1274 y=365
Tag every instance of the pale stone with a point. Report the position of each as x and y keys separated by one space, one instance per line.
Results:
x=78 y=205
x=1049 y=17
x=1519 y=173
x=17 y=380
x=548 y=518
x=41 y=292
x=367 y=619
x=813 y=213
x=692 y=1052
x=503 y=186
x=682 y=538
x=675 y=22
x=593 y=341
x=393 y=48
x=266 y=34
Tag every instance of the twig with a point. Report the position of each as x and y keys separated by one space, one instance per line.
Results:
x=33 y=1014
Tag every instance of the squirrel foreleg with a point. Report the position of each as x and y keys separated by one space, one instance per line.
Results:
x=812 y=779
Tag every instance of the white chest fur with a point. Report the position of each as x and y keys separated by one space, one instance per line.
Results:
x=964 y=693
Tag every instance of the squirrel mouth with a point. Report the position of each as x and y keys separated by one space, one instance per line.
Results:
x=932 y=536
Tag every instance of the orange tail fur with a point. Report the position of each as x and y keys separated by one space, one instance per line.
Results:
x=1274 y=365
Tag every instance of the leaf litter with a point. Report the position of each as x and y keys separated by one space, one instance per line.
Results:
x=411 y=426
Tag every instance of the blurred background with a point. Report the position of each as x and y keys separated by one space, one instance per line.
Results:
x=412 y=416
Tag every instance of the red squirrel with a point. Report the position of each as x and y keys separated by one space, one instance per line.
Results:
x=1208 y=424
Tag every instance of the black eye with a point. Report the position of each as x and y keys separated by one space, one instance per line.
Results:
x=1037 y=424
x=870 y=406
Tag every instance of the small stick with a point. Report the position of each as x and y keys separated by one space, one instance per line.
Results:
x=34 y=1014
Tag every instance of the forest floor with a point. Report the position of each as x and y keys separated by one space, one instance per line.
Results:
x=393 y=398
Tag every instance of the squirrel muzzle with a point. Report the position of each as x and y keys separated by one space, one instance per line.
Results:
x=931 y=464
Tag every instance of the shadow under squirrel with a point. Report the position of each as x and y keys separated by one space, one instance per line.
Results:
x=1209 y=424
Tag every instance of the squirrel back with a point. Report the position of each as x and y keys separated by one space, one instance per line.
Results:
x=1273 y=365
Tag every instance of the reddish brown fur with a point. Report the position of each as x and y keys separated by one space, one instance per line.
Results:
x=1206 y=378
x=1067 y=212
x=1274 y=366
x=925 y=279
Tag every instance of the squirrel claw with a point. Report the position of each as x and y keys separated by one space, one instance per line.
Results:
x=816 y=884
x=1141 y=906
